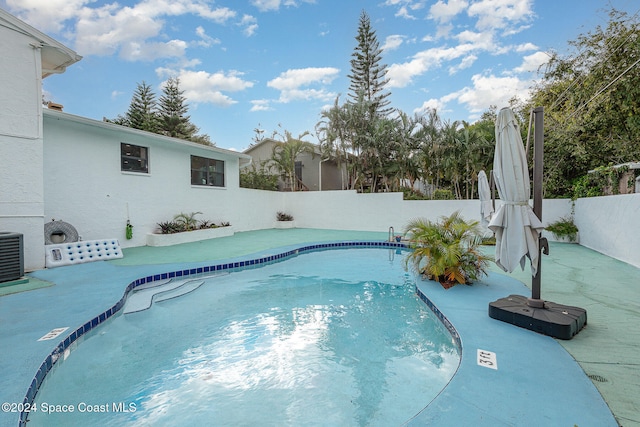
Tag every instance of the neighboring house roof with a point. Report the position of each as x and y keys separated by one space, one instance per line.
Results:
x=244 y=159
x=271 y=141
x=56 y=57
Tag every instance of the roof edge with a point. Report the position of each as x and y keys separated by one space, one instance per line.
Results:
x=60 y=115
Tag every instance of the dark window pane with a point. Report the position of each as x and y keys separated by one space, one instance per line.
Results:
x=206 y=171
x=134 y=158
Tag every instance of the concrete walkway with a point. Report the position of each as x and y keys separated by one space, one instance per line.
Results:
x=607 y=349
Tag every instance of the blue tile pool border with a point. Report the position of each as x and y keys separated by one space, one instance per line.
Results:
x=75 y=335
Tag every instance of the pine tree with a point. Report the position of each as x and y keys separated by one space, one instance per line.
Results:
x=174 y=120
x=142 y=113
x=367 y=73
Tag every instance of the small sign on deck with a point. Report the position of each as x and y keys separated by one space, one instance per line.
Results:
x=54 y=333
x=487 y=359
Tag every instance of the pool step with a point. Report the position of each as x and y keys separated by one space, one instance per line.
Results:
x=143 y=296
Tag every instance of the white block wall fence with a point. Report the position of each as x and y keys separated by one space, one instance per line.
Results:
x=607 y=224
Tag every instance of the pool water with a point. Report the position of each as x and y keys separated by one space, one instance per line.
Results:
x=334 y=337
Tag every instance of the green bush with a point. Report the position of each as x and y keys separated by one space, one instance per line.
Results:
x=564 y=227
x=258 y=179
x=187 y=222
x=443 y=195
x=448 y=250
x=412 y=194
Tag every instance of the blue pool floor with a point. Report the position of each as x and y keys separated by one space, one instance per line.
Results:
x=539 y=381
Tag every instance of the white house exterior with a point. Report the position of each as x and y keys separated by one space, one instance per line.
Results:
x=28 y=56
x=87 y=183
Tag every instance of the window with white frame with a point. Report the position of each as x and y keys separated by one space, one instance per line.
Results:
x=205 y=171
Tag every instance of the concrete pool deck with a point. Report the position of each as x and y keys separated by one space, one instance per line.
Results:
x=525 y=390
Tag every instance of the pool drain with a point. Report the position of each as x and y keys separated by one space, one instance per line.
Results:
x=598 y=378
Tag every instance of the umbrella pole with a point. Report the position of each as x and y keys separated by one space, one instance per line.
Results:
x=535 y=314
x=538 y=167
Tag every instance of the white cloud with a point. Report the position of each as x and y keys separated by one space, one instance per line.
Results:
x=392 y=42
x=500 y=14
x=290 y=83
x=250 y=25
x=47 y=15
x=271 y=5
x=533 y=62
x=403 y=12
x=486 y=90
x=133 y=51
x=491 y=90
x=405 y=6
x=526 y=47
x=205 y=39
x=401 y=75
x=204 y=87
x=260 y=105
x=431 y=104
x=266 y=5
x=479 y=40
x=135 y=32
x=444 y=12
x=466 y=62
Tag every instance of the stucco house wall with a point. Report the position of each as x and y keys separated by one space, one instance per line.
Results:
x=85 y=186
x=27 y=56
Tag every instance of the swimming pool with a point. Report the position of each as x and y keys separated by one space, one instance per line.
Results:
x=324 y=338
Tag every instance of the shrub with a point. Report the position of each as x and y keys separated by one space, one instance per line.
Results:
x=281 y=216
x=443 y=195
x=187 y=222
x=564 y=227
x=259 y=179
x=412 y=194
x=447 y=251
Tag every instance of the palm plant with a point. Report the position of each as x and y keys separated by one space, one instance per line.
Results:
x=285 y=154
x=188 y=221
x=447 y=251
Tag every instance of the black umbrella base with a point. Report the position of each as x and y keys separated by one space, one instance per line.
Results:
x=555 y=320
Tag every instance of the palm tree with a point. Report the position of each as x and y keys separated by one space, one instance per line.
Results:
x=447 y=251
x=285 y=154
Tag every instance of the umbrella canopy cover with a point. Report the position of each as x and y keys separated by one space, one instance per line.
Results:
x=484 y=192
x=516 y=226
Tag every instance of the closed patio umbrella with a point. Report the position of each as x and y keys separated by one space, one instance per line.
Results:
x=515 y=225
x=517 y=228
x=484 y=192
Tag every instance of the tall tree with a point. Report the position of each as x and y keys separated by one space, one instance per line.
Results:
x=368 y=74
x=173 y=109
x=592 y=103
x=142 y=113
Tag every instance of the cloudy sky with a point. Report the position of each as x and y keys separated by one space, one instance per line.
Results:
x=275 y=64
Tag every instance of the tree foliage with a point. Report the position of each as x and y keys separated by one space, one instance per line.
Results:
x=368 y=74
x=258 y=178
x=166 y=116
x=592 y=103
x=142 y=111
x=285 y=154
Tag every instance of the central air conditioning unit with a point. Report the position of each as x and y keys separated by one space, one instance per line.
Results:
x=11 y=256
